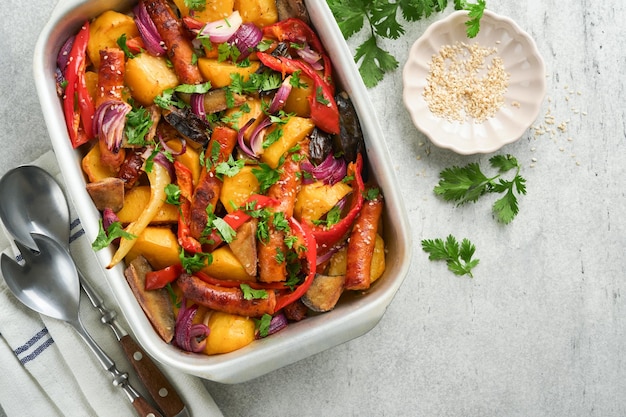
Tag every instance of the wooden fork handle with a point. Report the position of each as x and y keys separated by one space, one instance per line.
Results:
x=159 y=387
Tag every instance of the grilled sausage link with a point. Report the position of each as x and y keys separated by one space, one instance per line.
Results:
x=226 y=299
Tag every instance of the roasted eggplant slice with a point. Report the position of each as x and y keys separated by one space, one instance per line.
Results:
x=188 y=124
x=155 y=303
x=320 y=146
x=324 y=292
x=292 y=8
x=349 y=142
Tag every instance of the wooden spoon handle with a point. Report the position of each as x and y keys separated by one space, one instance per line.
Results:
x=159 y=387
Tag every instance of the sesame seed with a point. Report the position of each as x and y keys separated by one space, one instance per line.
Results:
x=462 y=85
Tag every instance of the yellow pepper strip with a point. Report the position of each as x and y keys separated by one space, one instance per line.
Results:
x=159 y=178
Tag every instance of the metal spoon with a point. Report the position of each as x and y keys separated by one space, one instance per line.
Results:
x=48 y=283
x=35 y=203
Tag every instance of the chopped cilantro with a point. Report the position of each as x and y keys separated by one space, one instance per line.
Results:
x=172 y=193
x=138 y=124
x=105 y=238
x=229 y=168
x=121 y=42
x=197 y=5
x=196 y=262
x=320 y=97
x=266 y=175
x=263 y=325
x=250 y=293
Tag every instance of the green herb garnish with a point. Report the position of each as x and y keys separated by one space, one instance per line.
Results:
x=106 y=237
x=381 y=19
x=468 y=184
x=458 y=257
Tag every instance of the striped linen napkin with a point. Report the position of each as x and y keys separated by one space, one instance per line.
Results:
x=46 y=369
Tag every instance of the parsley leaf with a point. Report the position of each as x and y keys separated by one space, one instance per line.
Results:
x=381 y=19
x=138 y=124
x=198 y=5
x=196 y=262
x=250 y=293
x=469 y=183
x=475 y=14
x=106 y=237
x=229 y=168
x=266 y=176
x=263 y=325
x=121 y=42
x=458 y=257
x=375 y=62
x=172 y=194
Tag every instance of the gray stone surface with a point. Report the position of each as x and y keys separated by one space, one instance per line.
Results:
x=541 y=329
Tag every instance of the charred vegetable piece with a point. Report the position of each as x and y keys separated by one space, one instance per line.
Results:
x=131 y=168
x=349 y=141
x=188 y=124
x=292 y=8
x=107 y=193
x=320 y=147
x=324 y=292
x=155 y=303
x=244 y=246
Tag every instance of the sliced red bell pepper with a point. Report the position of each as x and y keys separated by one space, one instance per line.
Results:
x=162 y=277
x=235 y=284
x=185 y=184
x=296 y=31
x=135 y=45
x=324 y=111
x=78 y=116
x=303 y=233
x=327 y=237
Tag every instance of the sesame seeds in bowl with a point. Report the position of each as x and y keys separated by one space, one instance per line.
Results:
x=474 y=95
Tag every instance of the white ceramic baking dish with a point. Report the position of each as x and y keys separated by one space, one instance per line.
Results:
x=353 y=317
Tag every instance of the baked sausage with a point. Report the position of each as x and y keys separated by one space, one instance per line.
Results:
x=226 y=299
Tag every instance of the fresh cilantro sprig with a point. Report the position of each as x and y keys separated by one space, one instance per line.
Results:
x=138 y=124
x=381 y=18
x=106 y=237
x=195 y=262
x=458 y=257
x=250 y=293
x=469 y=183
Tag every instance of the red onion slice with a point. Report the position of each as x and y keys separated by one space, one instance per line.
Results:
x=169 y=149
x=148 y=31
x=311 y=57
x=325 y=256
x=221 y=30
x=64 y=54
x=281 y=96
x=188 y=336
x=330 y=171
x=162 y=160
x=242 y=142
x=246 y=39
x=278 y=322
x=108 y=218
x=256 y=138
x=197 y=105
x=109 y=122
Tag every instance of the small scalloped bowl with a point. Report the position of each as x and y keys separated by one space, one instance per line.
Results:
x=522 y=99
